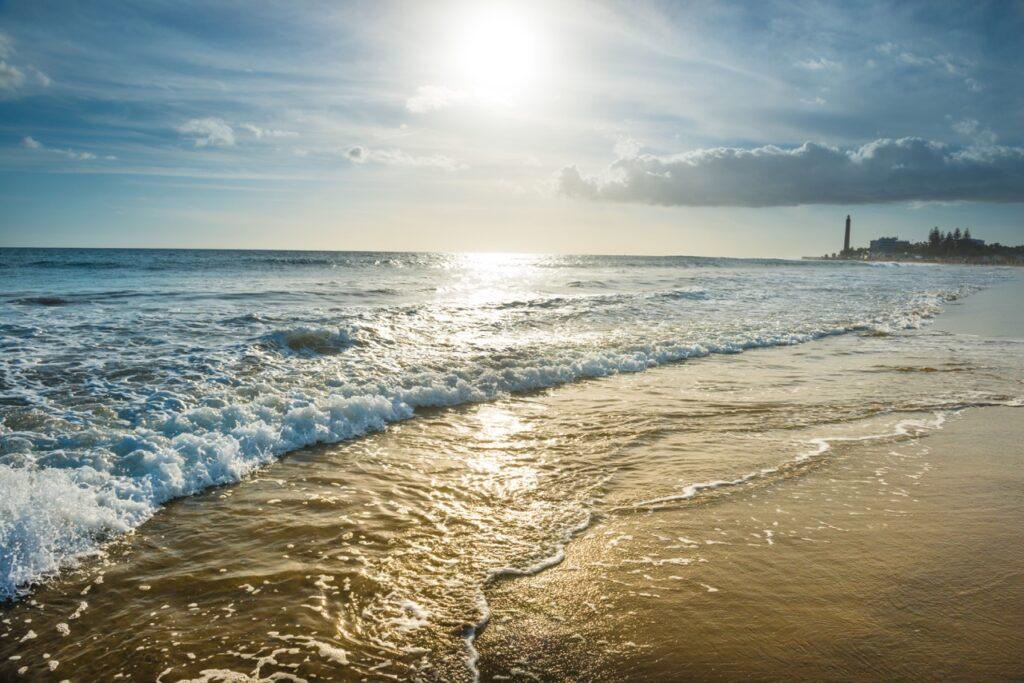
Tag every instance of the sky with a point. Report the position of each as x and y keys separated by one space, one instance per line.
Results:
x=742 y=129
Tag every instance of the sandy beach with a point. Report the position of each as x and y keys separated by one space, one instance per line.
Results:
x=898 y=560
x=894 y=558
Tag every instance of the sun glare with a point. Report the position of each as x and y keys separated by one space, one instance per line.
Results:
x=497 y=54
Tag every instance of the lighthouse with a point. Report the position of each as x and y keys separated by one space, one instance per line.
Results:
x=846 y=241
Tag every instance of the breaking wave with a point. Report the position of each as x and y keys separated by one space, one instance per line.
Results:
x=310 y=340
x=182 y=382
x=60 y=512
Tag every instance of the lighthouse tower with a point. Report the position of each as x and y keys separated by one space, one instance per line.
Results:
x=846 y=241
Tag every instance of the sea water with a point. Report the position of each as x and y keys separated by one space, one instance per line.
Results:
x=412 y=431
x=129 y=378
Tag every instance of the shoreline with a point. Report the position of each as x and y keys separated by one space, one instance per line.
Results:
x=359 y=419
x=545 y=634
x=772 y=582
x=1016 y=263
x=293 y=549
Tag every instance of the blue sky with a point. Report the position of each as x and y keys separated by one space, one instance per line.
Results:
x=697 y=128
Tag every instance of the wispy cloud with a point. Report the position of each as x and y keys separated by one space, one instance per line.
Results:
x=980 y=135
x=396 y=157
x=433 y=97
x=261 y=133
x=31 y=143
x=208 y=132
x=819 y=64
x=13 y=77
x=40 y=78
x=881 y=171
x=945 y=63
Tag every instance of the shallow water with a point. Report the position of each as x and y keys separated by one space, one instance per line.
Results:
x=895 y=558
x=372 y=557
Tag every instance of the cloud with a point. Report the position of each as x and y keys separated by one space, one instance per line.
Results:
x=627 y=148
x=885 y=170
x=261 y=133
x=966 y=127
x=41 y=78
x=11 y=77
x=208 y=132
x=396 y=157
x=943 y=63
x=432 y=98
x=947 y=63
x=915 y=60
x=31 y=143
x=973 y=130
x=820 y=64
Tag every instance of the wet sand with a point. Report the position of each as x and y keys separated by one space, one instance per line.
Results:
x=890 y=561
x=900 y=558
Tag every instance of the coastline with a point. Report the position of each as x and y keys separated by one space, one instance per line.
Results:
x=1011 y=263
x=890 y=560
x=896 y=556
x=347 y=561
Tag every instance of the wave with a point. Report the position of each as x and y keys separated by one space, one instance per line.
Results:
x=56 y=514
x=211 y=260
x=587 y=284
x=89 y=265
x=310 y=340
x=41 y=301
x=101 y=482
x=81 y=298
x=820 y=446
x=692 y=294
x=556 y=301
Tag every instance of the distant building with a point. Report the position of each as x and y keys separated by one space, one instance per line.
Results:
x=889 y=245
x=973 y=242
x=846 y=242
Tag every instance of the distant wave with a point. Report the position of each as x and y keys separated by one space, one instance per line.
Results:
x=555 y=301
x=57 y=263
x=41 y=301
x=67 y=299
x=191 y=260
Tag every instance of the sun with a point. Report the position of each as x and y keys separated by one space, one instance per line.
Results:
x=496 y=53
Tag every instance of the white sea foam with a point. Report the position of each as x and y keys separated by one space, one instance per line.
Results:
x=175 y=402
x=820 y=446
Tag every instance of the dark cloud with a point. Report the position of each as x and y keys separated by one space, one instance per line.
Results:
x=908 y=169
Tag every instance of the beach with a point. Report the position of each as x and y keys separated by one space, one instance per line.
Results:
x=898 y=557
x=901 y=560
x=842 y=505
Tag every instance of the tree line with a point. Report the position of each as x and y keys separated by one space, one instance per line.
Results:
x=953 y=245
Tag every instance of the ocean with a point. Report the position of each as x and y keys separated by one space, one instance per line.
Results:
x=449 y=420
